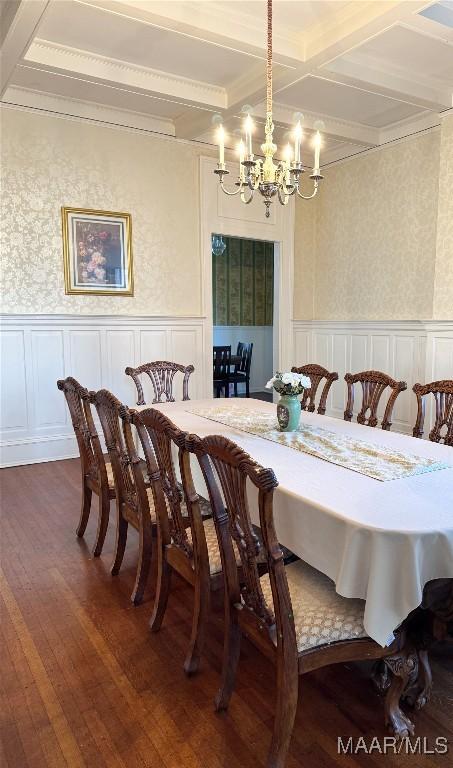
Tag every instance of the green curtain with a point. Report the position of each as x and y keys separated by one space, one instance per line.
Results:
x=243 y=283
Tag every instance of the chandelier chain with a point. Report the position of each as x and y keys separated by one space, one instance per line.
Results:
x=269 y=59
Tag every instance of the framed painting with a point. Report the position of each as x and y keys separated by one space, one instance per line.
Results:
x=97 y=252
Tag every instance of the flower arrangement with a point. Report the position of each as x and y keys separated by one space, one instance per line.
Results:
x=289 y=383
x=91 y=251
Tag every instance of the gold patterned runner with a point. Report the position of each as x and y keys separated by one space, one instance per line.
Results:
x=377 y=461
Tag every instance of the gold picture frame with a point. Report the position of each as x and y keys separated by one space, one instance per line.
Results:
x=97 y=252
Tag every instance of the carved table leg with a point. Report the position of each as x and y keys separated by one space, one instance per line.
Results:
x=404 y=666
x=418 y=694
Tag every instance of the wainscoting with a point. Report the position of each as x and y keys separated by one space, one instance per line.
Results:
x=408 y=351
x=36 y=351
x=261 y=337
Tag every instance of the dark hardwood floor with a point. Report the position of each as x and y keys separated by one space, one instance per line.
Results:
x=84 y=683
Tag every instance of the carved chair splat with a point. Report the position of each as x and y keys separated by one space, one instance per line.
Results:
x=133 y=500
x=96 y=474
x=316 y=373
x=373 y=383
x=161 y=374
x=270 y=610
x=186 y=536
x=442 y=391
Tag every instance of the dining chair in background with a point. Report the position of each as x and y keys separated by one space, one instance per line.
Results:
x=316 y=374
x=241 y=373
x=373 y=384
x=97 y=475
x=161 y=374
x=442 y=391
x=221 y=369
x=134 y=499
x=187 y=540
x=293 y=613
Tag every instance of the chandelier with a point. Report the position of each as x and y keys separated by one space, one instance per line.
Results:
x=279 y=179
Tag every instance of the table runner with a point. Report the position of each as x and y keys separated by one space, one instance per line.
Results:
x=376 y=461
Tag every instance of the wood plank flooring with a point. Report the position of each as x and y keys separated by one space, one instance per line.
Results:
x=84 y=683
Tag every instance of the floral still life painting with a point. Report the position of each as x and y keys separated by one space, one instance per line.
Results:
x=97 y=252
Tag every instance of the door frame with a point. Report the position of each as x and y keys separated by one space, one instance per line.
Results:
x=229 y=217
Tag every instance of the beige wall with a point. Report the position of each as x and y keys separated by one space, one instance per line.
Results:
x=48 y=162
x=443 y=281
x=373 y=250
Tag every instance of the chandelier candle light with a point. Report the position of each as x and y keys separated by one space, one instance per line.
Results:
x=271 y=179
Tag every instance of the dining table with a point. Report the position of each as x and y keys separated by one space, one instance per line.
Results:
x=369 y=508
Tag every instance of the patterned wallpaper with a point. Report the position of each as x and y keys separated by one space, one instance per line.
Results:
x=243 y=283
x=443 y=282
x=372 y=255
x=48 y=162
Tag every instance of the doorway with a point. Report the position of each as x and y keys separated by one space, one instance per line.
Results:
x=243 y=305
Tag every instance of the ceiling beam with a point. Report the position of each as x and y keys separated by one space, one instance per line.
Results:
x=124 y=74
x=18 y=30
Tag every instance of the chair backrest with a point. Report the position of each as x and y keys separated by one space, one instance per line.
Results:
x=373 y=385
x=159 y=437
x=222 y=361
x=234 y=468
x=442 y=431
x=78 y=400
x=316 y=374
x=161 y=374
x=244 y=351
x=114 y=418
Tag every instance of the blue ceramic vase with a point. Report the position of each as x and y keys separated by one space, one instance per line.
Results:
x=288 y=413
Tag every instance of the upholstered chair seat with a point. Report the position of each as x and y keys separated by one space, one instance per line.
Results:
x=321 y=616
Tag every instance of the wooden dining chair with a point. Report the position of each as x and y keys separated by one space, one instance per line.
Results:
x=187 y=541
x=293 y=613
x=316 y=374
x=97 y=475
x=373 y=383
x=241 y=373
x=442 y=391
x=161 y=374
x=134 y=499
x=221 y=369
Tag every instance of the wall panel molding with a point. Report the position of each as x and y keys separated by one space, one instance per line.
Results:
x=409 y=350
x=39 y=349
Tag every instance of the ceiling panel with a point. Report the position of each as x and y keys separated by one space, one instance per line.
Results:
x=107 y=34
x=418 y=54
x=325 y=97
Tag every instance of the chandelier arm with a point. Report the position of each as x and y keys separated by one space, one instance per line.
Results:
x=227 y=192
x=250 y=198
x=308 y=197
x=283 y=198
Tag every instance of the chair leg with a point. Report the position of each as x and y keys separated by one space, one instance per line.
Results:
x=85 y=511
x=227 y=390
x=247 y=387
x=103 y=521
x=144 y=562
x=285 y=712
x=202 y=602
x=163 y=584
x=120 y=544
x=231 y=652
x=235 y=389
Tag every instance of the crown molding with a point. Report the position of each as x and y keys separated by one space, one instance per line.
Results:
x=102 y=68
x=75 y=109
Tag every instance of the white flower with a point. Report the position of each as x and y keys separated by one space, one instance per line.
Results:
x=304 y=381
x=270 y=383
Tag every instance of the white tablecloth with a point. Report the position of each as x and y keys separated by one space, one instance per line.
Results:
x=379 y=541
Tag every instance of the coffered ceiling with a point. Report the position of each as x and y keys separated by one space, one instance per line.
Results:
x=371 y=71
